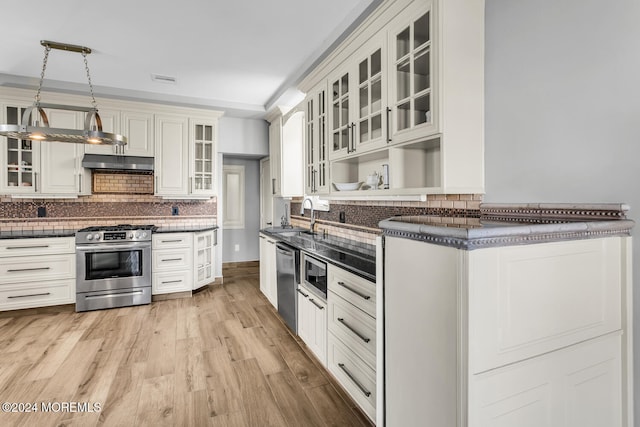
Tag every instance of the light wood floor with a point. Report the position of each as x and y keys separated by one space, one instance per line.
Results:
x=220 y=358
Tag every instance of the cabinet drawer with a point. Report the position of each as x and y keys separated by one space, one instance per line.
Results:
x=172 y=240
x=528 y=300
x=358 y=379
x=34 y=295
x=172 y=260
x=358 y=291
x=44 y=246
x=38 y=268
x=173 y=281
x=354 y=327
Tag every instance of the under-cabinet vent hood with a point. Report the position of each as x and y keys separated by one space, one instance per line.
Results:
x=104 y=161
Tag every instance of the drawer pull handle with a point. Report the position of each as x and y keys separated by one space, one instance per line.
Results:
x=302 y=293
x=28 y=247
x=172 y=281
x=362 y=337
x=114 y=295
x=316 y=304
x=16 y=270
x=30 y=295
x=172 y=241
x=360 y=294
x=172 y=259
x=355 y=381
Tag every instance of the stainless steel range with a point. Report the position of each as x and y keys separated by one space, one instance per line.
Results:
x=113 y=266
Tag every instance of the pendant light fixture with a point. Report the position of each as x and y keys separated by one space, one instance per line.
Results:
x=37 y=128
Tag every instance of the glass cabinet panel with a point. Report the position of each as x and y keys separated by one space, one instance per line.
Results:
x=340 y=105
x=413 y=74
x=316 y=156
x=370 y=99
x=20 y=155
x=203 y=158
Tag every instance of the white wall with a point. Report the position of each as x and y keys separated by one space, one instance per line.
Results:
x=243 y=137
x=247 y=139
x=562 y=116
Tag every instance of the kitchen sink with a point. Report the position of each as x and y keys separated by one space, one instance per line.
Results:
x=296 y=233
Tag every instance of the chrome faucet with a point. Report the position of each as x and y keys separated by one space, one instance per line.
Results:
x=313 y=216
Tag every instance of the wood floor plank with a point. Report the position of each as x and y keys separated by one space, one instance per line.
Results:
x=121 y=404
x=331 y=407
x=300 y=364
x=223 y=385
x=190 y=373
x=220 y=358
x=294 y=405
x=156 y=405
x=259 y=406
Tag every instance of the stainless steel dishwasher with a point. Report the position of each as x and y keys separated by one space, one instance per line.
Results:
x=288 y=268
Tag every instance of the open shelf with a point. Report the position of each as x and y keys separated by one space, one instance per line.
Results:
x=414 y=168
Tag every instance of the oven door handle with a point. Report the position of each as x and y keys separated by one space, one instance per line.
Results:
x=112 y=248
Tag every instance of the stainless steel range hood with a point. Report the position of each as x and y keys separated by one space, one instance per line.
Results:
x=103 y=161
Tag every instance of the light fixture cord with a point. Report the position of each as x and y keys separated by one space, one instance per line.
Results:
x=47 y=49
x=86 y=66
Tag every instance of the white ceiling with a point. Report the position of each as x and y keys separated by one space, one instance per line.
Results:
x=241 y=56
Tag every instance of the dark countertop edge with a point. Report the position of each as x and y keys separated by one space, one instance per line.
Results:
x=187 y=229
x=509 y=235
x=347 y=267
x=36 y=234
x=26 y=234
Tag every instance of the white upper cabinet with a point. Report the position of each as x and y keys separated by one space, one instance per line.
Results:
x=42 y=168
x=185 y=156
x=202 y=145
x=357 y=113
x=138 y=128
x=135 y=125
x=172 y=155
x=286 y=141
x=405 y=94
x=316 y=152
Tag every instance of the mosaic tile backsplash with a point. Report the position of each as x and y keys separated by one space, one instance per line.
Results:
x=362 y=217
x=117 y=199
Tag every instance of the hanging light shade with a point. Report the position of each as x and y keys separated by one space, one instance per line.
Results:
x=37 y=127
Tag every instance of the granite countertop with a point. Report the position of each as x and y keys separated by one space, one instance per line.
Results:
x=358 y=258
x=516 y=225
x=28 y=234
x=185 y=229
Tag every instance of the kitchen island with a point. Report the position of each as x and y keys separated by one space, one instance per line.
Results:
x=521 y=316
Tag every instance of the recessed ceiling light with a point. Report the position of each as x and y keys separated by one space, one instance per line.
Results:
x=163 y=79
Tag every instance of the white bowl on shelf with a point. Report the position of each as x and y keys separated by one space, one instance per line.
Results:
x=347 y=186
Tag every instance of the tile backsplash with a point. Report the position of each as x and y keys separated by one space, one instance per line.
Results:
x=118 y=198
x=362 y=216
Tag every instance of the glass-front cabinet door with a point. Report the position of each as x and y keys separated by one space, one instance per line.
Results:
x=411 y=68
x=340 y=122
x=203 y=146
x=21 y=158
x=316 y=150
x=371 y=100
x=204 y=258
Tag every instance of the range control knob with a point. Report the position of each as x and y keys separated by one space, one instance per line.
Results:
x=89 y=237
x=137 y=235
x=131 y=235
x=97 y=236
x=144 y=234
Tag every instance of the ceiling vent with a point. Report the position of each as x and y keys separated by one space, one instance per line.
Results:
x=163 y=79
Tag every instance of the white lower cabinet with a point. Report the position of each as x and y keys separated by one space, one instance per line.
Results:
x=352 y=336
x=268 y=274
x=576 y=386
x=172 y=263
x=312 y=322
x=531 y=335
x=37 y=272
x=204 y=257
